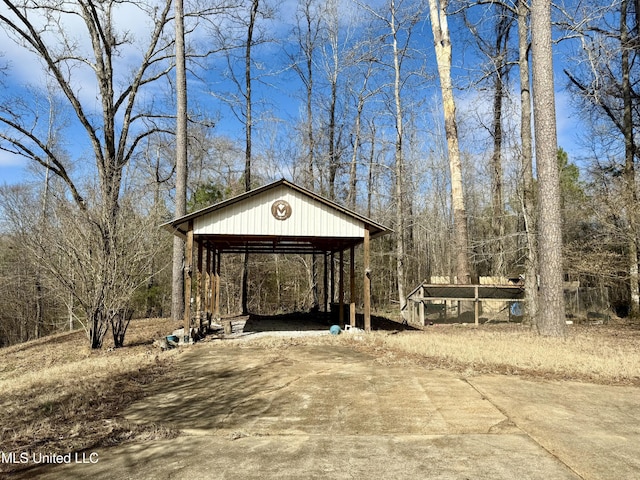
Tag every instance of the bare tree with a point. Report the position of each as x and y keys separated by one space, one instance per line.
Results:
x=237 y=34
x=551 y=318
x=363 y=95
x=399 y=21
x=307 y=32
x=113 y=134
x=606 y=89
x=29 y=306
x=492 y=32
x=398 y=156
x=503 y=26
x=333 y=66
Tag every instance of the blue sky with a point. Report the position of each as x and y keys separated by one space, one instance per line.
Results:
x=27 y=69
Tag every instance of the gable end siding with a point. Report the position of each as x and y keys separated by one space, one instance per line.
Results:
x=309 y=217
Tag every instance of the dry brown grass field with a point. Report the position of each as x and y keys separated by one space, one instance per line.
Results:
x=600 y=354
x=58 y=395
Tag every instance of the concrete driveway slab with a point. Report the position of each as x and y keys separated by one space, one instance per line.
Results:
x=594 y=429
x=477 y=457
x=314 y=390
x=328 y=411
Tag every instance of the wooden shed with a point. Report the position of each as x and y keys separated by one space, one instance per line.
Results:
x=280 y=217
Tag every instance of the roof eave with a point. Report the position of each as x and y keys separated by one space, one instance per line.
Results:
x=174 y=225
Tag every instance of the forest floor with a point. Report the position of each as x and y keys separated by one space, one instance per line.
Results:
x=58 y=396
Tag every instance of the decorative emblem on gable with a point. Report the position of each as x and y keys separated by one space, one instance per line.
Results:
x=281 y=210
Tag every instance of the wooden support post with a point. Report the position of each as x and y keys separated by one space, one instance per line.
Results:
x=476 y=305
x=325 y=285
x=315 y=301
x=352 y=287
x=214 y=282
x=205 y=281
x=421 y=307
x=341 y=288
x=207 y=288
x=332 y=296
x=200 y=289
x=367 y=281
x=216 y=277
x=188 y=273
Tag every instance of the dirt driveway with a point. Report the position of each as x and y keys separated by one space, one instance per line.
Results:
x=330 y=412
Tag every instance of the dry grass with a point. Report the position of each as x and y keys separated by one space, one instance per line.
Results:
x=59 y=396
x=597 y=354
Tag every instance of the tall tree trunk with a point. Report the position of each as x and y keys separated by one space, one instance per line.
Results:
x=503 y=27
x=307 y=30
x=370 y=178
x=353 y=168
x=497 y=218
x=528 y=202
x=629 y=168
x=399 y=167
x=43 y=219
x=248 y=138
x=177 y=285
x=248 y=98
x=357 y=140
x=439 y=26
x=310 y=135
x=551 y=318
x=332 y=27
x=333 y=160
x=310 y=46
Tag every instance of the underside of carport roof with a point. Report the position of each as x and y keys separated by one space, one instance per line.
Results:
x=275 y=244
x=277 y=218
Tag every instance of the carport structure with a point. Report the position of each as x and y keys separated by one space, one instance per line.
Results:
x=280 y=217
